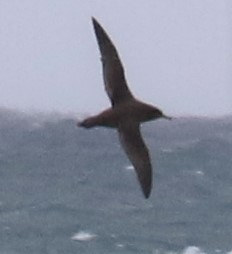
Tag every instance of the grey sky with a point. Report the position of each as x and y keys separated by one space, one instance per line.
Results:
x=177 y=54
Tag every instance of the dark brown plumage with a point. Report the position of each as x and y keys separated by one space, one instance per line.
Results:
x=126 y=112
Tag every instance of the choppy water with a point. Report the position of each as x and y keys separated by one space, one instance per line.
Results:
x=68 y=190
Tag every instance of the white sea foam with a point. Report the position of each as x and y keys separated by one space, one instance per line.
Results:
x=199 y=172
x=166 y=150
x=129 y=167
x=120 y=245
x=193 y=250
x=83 y=236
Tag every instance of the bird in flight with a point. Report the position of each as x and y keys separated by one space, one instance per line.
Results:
x=126 y=112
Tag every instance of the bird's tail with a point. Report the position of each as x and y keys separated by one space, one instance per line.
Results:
x=87 y=123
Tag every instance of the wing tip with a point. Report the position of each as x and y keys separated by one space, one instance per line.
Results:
x=146 y=184
x=96 y=24
x=146 y=192
x=101 y=34
x=94 y=20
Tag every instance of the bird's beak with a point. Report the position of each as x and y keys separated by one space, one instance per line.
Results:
x=167 y=117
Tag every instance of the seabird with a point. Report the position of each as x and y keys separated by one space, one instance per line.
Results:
x=126 y=112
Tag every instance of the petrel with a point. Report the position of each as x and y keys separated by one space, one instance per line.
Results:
x=126 y=112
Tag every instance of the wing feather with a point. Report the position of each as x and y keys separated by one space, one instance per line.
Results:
x=113 y=71
x=138 y=154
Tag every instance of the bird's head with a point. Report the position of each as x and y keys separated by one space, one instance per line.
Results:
x=156 y=113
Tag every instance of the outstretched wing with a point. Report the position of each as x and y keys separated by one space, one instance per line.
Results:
x=138 y=154
x=113 y=72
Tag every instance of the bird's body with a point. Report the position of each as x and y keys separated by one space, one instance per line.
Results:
x=126 y=112
x=131 y=111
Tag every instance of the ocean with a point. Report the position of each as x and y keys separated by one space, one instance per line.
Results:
x=68 y=190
